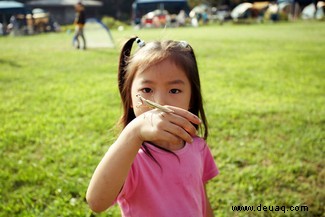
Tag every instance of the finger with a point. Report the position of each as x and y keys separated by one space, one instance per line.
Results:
x=178 y=120
x=180 y=133
x=181 y=122
x=176 y=125
x=169 y=137
x=186 y=114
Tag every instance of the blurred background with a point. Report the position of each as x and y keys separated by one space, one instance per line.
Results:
x=28 y=17
x=263 y=80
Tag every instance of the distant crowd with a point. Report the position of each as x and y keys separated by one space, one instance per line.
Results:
x=28 y=24
x=251 y=12
x=40 y=21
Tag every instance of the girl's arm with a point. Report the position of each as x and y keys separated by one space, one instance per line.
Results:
x=110 y=174
x=209 y=211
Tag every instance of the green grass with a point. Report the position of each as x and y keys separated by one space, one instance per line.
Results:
x=264 y=91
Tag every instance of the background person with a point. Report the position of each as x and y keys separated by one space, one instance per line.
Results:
x=80 y=20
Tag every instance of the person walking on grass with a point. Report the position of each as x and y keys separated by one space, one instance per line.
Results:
x=159 y=165
x=79 y=22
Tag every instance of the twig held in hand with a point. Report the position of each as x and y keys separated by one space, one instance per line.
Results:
x=153 y=104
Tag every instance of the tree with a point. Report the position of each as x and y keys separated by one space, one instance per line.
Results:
x=119 y=9
x=216 y=3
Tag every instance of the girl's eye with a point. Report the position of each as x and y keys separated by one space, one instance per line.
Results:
x=175 y=91
x=146 y=90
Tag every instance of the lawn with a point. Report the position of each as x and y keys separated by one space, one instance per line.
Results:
x=264 y=92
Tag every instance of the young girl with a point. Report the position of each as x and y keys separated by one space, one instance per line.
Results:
x=158 y=166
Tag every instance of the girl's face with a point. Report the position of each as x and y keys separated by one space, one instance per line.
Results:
x=163 y=83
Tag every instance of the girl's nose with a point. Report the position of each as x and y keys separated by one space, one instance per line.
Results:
x=160 y=98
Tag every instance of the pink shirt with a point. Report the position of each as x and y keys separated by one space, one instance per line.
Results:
x=175 y=188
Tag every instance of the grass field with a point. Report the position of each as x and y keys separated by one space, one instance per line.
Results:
x=264 y=91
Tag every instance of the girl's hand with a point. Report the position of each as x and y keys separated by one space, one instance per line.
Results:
x=168 y=130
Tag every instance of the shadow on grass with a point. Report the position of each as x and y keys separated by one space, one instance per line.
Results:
x=10 y=63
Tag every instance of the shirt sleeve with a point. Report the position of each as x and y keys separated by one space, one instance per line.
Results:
x=210 y=169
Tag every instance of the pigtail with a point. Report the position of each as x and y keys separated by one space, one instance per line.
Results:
x=125 y=54
x=200 y=109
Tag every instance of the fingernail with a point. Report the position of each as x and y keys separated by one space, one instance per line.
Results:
x=196 y=117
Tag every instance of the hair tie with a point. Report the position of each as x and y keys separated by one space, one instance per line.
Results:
x=140 y=42
x=184 y=44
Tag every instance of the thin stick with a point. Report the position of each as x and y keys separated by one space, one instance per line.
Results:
x=154 y=105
